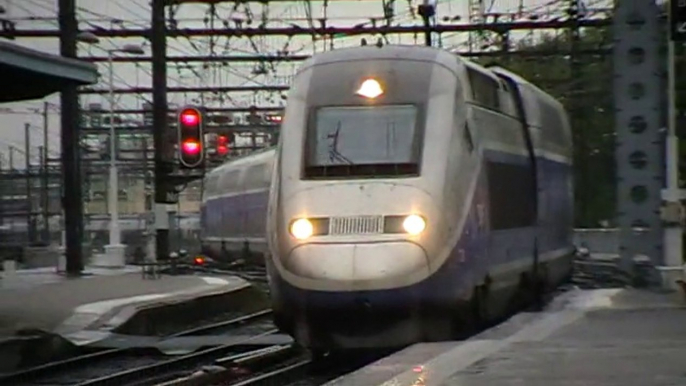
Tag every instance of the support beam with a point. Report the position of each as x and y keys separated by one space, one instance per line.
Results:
x=272 y=88
x=72 y=202
x=148 y=90
x=673 y=211
x=257 y=109
x=266 y=58
x=321 y=31
x=219 y=129
x=638 y=89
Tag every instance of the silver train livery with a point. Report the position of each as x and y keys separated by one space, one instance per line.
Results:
x=234 y=208
x=413 y=193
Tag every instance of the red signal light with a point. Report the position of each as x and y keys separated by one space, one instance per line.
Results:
x=274 y=118
x=199 y=260
x=191 y=147
x=190 y=117
x=190 y=133
x=222 y=145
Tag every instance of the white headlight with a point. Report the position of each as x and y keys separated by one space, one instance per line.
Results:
x=302 y=229
x=414 y=224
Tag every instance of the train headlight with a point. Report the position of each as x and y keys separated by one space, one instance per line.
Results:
x=302 y=229
x=414 y=224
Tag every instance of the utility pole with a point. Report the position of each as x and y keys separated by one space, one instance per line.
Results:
x=72 y=202
x=29 y=197
x=160 y=131
x=45 y=198
x=46 y=126
x=11 y=157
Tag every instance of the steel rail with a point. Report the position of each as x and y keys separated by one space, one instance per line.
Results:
x=82 y=360
x=289 y=373
x=138 y=374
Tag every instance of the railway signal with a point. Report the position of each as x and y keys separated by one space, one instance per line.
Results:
x=222 y=145
x=274 y=118
x=191 y=144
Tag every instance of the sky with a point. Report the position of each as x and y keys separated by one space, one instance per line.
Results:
x=41 y=14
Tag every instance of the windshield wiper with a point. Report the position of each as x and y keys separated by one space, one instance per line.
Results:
x=334 y=154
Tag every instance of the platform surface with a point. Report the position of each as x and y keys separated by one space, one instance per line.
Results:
x=586 y=338
x=42 y=299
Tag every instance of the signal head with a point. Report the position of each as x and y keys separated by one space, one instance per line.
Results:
x=222 y=145
x=190 y=132
x=190 y=147
x=190 y=117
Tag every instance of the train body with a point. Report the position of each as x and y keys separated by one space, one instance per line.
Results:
x=233 y=210
x=412 y=192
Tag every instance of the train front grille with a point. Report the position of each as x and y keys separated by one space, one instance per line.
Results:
x=356 y=225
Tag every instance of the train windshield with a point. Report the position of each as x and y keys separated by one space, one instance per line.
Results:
x=375 y=141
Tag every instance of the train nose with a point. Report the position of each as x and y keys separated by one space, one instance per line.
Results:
x=357 y=264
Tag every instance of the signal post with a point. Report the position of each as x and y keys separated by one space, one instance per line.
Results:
x=187 y=136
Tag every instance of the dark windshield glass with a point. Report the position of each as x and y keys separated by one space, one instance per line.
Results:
x=363 y=141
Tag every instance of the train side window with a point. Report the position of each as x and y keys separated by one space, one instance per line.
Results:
x=484 y=89
x=511 y=195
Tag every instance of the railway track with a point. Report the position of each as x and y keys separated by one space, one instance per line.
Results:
x=133 y=366
x=278 y=365
x=260 y=367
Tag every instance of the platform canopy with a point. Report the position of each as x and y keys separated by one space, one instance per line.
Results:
x=28 y=74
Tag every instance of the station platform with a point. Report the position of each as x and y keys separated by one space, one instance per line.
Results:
x=102 y=301
x=607 y=337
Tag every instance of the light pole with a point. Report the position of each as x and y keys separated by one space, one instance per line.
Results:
x=114 y=251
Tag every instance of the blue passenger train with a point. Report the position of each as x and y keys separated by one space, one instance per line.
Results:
x=413 y=193
x=234 y=208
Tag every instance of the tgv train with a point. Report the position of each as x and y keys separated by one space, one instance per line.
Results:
x=234 y=208
x=413 y=193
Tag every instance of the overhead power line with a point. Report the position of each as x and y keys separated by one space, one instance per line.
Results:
x=298 y=30
x=298 y=58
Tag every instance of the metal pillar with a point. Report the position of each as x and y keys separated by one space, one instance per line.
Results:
x=672 y=211
x=71 y=173
x=30 y=227
x=114 y=251
x=638 y=88
x=45 y=197
x=159 y=119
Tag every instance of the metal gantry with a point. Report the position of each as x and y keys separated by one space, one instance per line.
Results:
x=640 y=101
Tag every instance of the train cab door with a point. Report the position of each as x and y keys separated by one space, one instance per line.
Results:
x=533 y=273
